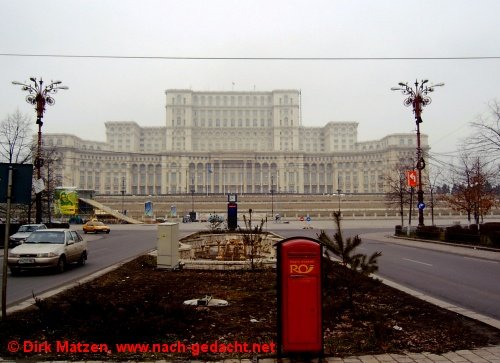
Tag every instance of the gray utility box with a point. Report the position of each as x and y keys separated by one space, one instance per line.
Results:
x=167 y=241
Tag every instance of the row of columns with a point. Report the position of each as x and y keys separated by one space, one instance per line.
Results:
x=224 y=176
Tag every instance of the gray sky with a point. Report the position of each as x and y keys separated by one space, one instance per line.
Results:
x=342 y=90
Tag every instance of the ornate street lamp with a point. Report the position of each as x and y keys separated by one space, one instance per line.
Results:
x=39 y=95
x=418 y=98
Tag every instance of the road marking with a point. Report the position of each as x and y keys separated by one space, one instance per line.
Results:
x=422 y=263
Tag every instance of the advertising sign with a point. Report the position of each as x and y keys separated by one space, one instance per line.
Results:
x=148 y=209
x=66 y=201
x=173 y=211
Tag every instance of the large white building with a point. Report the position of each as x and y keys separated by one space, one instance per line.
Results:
x=227 y=141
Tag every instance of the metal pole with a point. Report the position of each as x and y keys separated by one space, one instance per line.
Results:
x=38 y=165
x=338 y=190
x=418 y=98
x=123 y=195
x=272 y=196
x=420 y=163
x=192 y=195
x=49 y=217
x=6 y=245
x=409 y=211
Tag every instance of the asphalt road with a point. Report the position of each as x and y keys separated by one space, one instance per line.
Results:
x=465 y=281
x=104 y=250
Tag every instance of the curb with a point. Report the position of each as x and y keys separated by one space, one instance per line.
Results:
x=472 y=247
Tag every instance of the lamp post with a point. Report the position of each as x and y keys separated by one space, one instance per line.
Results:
x=272 y=196
x=418 y=98
x=338 y=191
x=192 y=195
x=39 y=95
x=123 y=195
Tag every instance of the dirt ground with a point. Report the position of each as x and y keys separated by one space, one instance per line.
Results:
x=139 y=304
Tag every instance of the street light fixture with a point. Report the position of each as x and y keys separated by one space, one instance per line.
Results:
x=338 y=191
x=123 y=195
x=39 y=95
x=272 y=196
x=192 y=195
x=418 y=98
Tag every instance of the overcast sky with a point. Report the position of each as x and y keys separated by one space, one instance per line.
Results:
x=125 y=89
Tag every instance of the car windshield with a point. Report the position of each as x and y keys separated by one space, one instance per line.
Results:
x=46 y=237
x=27 y=228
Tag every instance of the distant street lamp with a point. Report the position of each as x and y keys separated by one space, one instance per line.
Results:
x=39 y=95
x=338 y=191
x=272 y=196
x=417 y=98
x=192 y=195
x=123 y=195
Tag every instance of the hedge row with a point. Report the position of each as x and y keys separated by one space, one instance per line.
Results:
x=487 y=234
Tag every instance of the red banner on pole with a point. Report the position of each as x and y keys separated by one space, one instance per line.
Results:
x=411 y=178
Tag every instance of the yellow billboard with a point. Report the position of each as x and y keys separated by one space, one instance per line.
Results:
x=66 y=201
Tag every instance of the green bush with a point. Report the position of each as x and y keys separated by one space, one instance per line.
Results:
x=461 y=235
x=429 y=232
x=490 y=234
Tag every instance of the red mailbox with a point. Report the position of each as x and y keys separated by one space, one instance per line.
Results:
x=300 y=328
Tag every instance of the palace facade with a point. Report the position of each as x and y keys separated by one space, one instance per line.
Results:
x=230 y=142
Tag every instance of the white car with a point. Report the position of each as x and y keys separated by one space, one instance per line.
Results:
x=23 y=232
x=48 y=248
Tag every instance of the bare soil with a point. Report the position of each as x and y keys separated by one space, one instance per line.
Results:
x=138 y=303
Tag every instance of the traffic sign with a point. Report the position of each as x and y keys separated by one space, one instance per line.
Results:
x=421 y=205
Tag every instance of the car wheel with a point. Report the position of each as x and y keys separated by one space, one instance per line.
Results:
x=85 y=232
x=61 y=264
x=107 y=232
x=14 y=271
x=82 y=259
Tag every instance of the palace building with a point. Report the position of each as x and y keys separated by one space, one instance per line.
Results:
x=230 y=142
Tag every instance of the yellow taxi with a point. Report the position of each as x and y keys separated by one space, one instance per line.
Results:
x=95 y=227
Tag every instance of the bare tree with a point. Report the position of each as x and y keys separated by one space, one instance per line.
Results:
x=471 y=192
x=16 y=147
x=397 y=195
x=432 y=178
x=486 y=137
x=16 y=138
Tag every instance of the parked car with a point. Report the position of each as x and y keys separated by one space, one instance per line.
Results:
x=24 y=231
x=95 y=227
x=48 y=248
